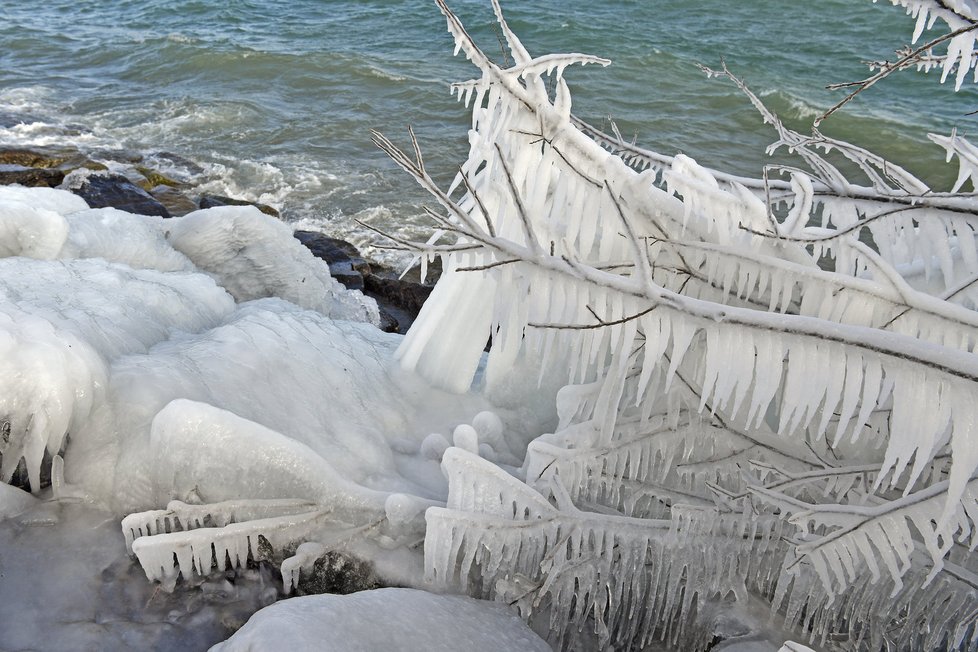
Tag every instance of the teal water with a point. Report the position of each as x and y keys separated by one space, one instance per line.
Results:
x=274 y=99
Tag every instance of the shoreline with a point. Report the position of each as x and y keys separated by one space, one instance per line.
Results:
x=124 y=181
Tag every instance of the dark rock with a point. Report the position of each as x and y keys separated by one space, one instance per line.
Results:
x=101 y=190
x=345 y=274
x=399 y=301
x=337 y=572
x=388 y=322
x=210 y=201
x=344 y=260
x=332 y=250
x=175 y=201
x=406 y=295
x=28 y=176
x=20 y=478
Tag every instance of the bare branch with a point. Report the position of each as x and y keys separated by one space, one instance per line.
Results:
x=888 y=69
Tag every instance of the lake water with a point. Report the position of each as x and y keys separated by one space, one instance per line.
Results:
x=274 y=99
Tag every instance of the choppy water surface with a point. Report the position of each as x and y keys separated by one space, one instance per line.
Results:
x=275 y=99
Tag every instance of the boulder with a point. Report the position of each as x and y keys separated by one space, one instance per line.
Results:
x=347 y=266
x=11 y=173
x=30 y=158
x=347 y=275
x=210 y=201
x=64 y=160
x=432 y=273
x=154 y=178
x=344 y=260
x=127 y=156
x=102 y=190
x=41 y=167
x=388 y=322
x=332 y=250
x=339 y=573
x=399 y=300
x=36 y=158
x=175 y=201
x=406 y=295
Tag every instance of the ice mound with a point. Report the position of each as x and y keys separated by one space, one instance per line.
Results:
x=322 y=383
x=58 y=201
x=253 y=255
x=218 y=455
x=86 y=294
x=117 y=236
x=113 y=308
x=385 y=619
x=208 y=366
x=28 y=231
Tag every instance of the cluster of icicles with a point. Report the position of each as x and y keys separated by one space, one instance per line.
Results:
x=741 y=420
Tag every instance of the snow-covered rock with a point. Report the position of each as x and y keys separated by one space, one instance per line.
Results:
x=406 y=620
x=253 y=255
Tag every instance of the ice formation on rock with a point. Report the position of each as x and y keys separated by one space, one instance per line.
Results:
x=149 y=375
x=301 y=562
x=138 y=241
x=404 y=619
x=253 y=255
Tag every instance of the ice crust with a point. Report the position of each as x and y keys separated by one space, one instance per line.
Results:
x=27 y=231
x=207 y=359
x=58 y=201
x=403 y=619
x=253 y=255
x=138 y=241
x=106 y=317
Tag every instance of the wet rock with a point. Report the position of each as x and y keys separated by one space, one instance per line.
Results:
x=64 y=160
x=337 y=572
x=154 y=178
x=348 y=267
x=345 y=274
x=432 y=273
x=332 y=250
x=344 y=260
x=30 y=158
x=210 y=201
x=406 y=295
x=101 y=189
x=28 y=176
x=119 y=155
x=388 y=322
x=19 y=478
x=175 y=201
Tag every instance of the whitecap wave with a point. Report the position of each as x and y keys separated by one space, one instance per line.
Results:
x=26 y=99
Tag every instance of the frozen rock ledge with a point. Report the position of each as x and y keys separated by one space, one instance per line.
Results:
x=401 y=619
